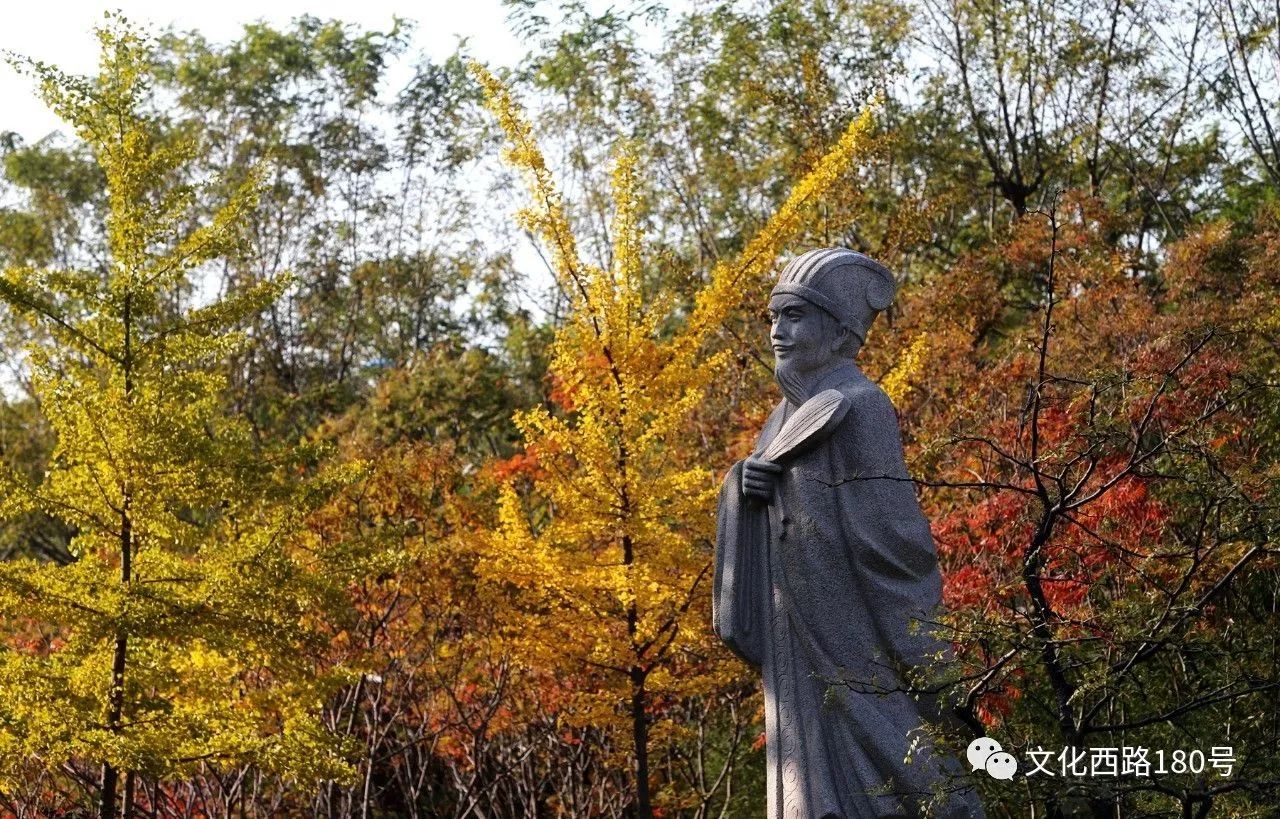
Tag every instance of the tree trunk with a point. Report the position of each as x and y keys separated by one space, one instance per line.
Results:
x=107 y=805
x=640 y=733
x=110 y=776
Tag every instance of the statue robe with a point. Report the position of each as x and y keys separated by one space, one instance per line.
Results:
x=822 y=586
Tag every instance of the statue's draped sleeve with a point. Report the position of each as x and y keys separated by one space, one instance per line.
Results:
x=738 y=601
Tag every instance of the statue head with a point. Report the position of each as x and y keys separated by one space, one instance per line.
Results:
x=821 y=309
x=849 y=286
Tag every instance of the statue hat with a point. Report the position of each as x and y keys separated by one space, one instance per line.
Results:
x=851 y=286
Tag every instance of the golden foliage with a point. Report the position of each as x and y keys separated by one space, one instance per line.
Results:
x=182 y=633
x=910 y=365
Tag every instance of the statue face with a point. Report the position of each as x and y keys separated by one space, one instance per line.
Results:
x=801 y=334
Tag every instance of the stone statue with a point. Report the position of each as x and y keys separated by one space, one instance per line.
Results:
x=826 y=578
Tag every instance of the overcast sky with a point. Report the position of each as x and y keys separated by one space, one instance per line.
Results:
x=60 y=32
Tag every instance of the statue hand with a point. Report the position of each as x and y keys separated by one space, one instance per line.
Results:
x=759 y=477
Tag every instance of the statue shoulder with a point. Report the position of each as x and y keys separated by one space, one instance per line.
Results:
x=867 y=401
x=869 y=434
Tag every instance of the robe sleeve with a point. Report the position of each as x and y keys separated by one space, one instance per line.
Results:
x=737 y=602
x=888 y=536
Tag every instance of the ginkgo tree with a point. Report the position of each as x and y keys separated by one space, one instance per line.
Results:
x=185 y=630
x=605 y=546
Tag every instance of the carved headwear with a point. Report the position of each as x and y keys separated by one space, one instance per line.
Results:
x=851 y=286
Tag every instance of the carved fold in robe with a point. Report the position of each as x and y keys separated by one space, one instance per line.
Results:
x=819 y=590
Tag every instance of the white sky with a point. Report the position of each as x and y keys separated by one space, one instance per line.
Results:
x=60 y=32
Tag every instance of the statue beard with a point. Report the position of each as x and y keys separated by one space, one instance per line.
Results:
x=797 y=385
